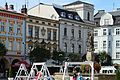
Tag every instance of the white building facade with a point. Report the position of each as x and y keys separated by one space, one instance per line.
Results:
x=72 y=30
x=107 y=34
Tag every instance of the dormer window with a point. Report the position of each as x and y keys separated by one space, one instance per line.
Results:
x=63 y=14
x=77 y=17
x=70 y=16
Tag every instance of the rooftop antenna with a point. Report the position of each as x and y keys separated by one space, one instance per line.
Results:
x=39 y=7
x=26 y=3
x=113 y=6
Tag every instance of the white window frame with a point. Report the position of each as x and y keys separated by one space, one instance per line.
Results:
x=117 y=43
x=117 y=55
x=96 y=33
x=95 y=44
x=104 y=44
x=118 y=31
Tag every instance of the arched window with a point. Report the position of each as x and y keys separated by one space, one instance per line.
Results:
x=79 y=47
x=88 y=16
x=65 y=47
x=72 y=48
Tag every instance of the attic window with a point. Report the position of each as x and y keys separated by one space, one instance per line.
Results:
x=70 y=16
x=77 y=17
x=63 y=14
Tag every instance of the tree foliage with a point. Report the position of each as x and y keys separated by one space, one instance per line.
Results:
x=105 y=59
x=74 y=57
x=39 y=54
x=3 y=49
x=60 y=56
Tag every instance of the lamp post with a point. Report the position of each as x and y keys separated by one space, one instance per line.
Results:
x=10 y=67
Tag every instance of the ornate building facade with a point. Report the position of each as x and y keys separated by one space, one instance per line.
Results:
x=41 y=31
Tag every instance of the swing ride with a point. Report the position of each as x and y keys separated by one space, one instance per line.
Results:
x=39 y=71
x=66 y=75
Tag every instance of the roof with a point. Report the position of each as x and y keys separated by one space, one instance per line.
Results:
x=115 y=13
x=99 y=14
x=78 y=2
x=59 y=11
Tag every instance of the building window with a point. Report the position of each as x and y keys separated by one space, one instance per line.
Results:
x=72 y=31
x=106 y=21
x=79 y=33
x=43 y=22
x=18 y=31
x=54 y=35
x=54 y=24
x=30 y=31
x=18 y=46
x=3 y=26
x=70 y=16
x=65 y=31
x=109 y=44
x=117 y=43
x=96 y=33
x=36 y=31
x=79 y=49
x=109 y=31
x=37 y=21
x=72 y=48
x=77 y=17
x=63 y=14
x=65 y=47
x=88 y=16
x=30 y=20
x=10 y=45
x=49 y=23
x=49 y=34
x=117 y=31
x=95 y=44
x=117 y=55
x=104 y=44
x=104 y=32
x=10 y=29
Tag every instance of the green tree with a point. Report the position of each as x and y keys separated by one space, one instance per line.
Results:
x=105 y=59
x=3 y=50
x=58 y=56
x=74 y=57
x=39 y=54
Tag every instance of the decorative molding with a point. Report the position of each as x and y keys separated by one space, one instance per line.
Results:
x=43 y=31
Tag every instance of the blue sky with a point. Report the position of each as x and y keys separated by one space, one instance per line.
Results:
x=99 y=4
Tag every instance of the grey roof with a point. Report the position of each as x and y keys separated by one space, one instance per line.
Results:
x=98 y=14
x=115 y=13
x=77 y=2
x=59 y=10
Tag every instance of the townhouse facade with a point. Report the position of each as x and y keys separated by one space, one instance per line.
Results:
x=107 y=33
x=12 y=35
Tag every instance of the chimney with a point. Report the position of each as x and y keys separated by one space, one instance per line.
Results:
x=24 y=9
x=118 y=9
x=6 y=6
x=11 y=7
